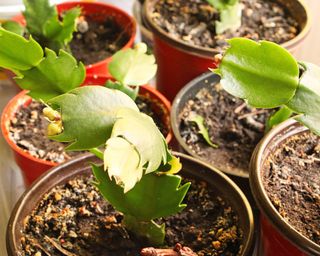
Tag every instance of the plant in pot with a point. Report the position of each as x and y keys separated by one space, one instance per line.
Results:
x=64 y=211
x=216 y=127
x=219 y=128
x=228 y=122
x=284 y=173
x=23 y=124
x=194 y=31
x=92 y=32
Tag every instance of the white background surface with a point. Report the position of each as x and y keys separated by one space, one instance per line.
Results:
x=10 y=179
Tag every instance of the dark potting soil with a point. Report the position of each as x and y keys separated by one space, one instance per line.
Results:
x=231 y=124
x=291 y=178
x=193 y=21
x=28 y=130
x=94 y=41
x=74 y=219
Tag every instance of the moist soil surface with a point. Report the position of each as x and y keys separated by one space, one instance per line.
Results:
x=73 y=219
x=291 y=178
x=28 y=131
x=95 y=41
x=233 y=126
x=193 y=22
x=158 y=114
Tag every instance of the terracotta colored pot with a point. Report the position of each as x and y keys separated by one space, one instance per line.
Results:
x=278 y=237
x=32 y=167
x=99 y=11
x=221 y=184
x=179 y=62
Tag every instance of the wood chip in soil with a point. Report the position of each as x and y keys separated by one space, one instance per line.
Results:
x=193 y=22
x=232 y=125
x=74 y=219
x=291 y=178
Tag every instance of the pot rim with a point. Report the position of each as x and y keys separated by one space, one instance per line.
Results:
x=16 y=212
x=137 y=14
x=175 y=126
x=8 y=112
x=19 y=18
x=288 y=128
x=207 y=52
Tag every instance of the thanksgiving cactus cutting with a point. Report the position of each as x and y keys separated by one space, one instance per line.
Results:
x=267 y=76
x=230 y=14
x=139 y=175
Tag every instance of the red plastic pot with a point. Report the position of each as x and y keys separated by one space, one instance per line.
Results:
x=99 y=11
x=32 y=167
x=179 y=62
x=273 y=243
x=278 y=237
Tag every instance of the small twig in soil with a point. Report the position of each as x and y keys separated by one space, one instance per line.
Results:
x=310 y=160
x=150 y=251
x=287 y=148
x=119 y=37
x=253 y=113
x=59 y=247
x=198 y=29
x=124 y=233
x=38 y=245
x=316 y=159
x=178 y=250
x=255 y=124
x=239 y=108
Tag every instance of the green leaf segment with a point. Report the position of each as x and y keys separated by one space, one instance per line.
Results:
x=230 y=14
x=13 y=27
x=267 y=76
x=131 y=68
x=44 y=25
x=135 y=151
x=278 y=117
x=153 y=197
x=90 y=117
x=18 y=53
x=199 y=121
x=46 y=80
x=37 y=72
